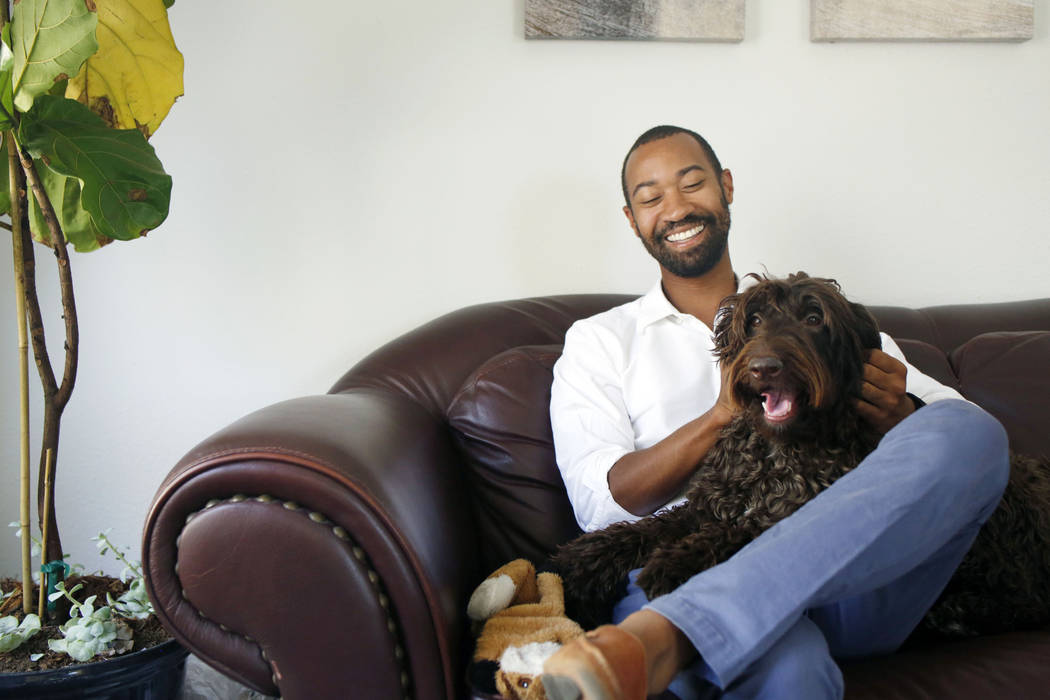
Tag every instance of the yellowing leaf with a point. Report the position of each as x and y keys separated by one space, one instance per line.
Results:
x=136 y=75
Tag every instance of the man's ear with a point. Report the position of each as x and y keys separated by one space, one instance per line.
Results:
x=630 y=219
x=727 y=185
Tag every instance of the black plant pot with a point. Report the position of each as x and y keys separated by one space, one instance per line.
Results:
x=151 y=674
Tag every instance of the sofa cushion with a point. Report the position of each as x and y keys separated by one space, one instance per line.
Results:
x=501 y=421
x=929 y=360
x=1008 y=374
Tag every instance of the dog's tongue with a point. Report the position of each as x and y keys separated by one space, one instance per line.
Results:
x=778 y=404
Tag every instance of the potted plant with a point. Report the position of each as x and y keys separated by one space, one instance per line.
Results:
x=83 y=84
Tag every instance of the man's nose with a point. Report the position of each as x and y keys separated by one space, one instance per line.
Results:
x=675 y=206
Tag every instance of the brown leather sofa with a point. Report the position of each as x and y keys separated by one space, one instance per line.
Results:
x=325 y=547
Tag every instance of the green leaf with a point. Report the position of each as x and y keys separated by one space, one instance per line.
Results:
x=136 y=75
x=12 y=634
x=5 y=196
x=124 y=186
x=50 y=40
x=64 y=193
x=7 y=62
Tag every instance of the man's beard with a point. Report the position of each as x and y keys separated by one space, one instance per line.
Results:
x=701 y=258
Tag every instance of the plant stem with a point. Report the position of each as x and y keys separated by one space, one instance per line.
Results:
x=55 y=397
x=120 y=555
x=23 y=374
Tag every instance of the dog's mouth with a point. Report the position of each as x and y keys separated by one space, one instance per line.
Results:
x=779 y=405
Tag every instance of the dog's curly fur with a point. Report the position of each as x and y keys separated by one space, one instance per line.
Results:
x=795 y=349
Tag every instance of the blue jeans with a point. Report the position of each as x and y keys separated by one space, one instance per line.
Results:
x=851 y=573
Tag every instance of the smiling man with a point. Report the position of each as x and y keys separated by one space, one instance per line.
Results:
x=638 y=401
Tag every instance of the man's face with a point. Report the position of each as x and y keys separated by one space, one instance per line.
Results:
x=679 y=205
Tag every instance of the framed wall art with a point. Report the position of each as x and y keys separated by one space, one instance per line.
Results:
x=681 y=20
x=921 y=20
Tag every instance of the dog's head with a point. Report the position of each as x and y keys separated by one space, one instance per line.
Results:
x=794 y=350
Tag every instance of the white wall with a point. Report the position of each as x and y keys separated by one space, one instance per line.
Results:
x=346 y=171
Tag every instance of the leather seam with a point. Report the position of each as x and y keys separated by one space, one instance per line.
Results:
x=341 y=534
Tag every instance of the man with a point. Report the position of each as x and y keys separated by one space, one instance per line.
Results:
x=637 y=402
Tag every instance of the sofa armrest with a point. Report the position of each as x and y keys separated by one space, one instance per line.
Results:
x=319 y=545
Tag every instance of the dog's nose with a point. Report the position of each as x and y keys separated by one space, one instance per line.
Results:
x=764 y=367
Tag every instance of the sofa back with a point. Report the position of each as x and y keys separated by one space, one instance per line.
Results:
x=485 y=372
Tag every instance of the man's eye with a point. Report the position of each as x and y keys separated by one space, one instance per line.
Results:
x=694 y=185
x=653 y=200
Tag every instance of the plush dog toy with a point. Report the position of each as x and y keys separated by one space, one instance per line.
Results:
x=522 y=619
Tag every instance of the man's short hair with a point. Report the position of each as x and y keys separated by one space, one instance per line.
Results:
x=662 y=132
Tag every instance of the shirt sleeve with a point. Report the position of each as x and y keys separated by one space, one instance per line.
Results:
x=589 y=420
x=925 y=387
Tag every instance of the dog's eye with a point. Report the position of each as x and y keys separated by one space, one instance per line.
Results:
x=754 y=321
x=814 y=320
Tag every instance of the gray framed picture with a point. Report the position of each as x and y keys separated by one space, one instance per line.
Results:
x=681 y=20
x=922 y=20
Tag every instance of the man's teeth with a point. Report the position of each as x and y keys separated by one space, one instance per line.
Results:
x=685 y=235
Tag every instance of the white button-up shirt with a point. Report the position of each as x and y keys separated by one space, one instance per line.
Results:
x=628 y=378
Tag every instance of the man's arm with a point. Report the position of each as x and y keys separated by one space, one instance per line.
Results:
x=607 y=479
x=643 y=480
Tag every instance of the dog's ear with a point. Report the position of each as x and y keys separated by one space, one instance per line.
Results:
x=853 y=329
x=867 y=327
x=731 y=320
x=729 y=328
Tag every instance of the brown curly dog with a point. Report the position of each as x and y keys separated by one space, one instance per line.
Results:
x=794 y=350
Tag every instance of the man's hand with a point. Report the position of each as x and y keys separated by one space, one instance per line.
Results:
x=722 y=411
x=884 y=401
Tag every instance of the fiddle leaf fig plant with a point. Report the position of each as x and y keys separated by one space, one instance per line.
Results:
x=83 y=85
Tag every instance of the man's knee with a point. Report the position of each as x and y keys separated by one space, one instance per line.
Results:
x=968 y=452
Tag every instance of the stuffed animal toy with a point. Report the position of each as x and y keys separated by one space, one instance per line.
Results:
x=522 y=619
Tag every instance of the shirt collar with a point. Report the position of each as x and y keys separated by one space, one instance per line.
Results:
x=655 y=306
